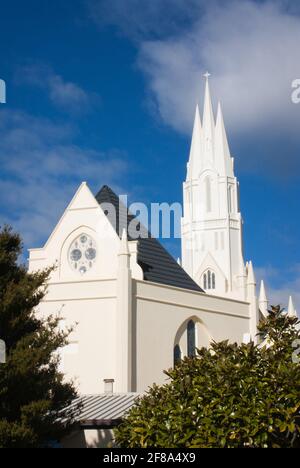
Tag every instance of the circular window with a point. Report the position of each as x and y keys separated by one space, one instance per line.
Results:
x=82 y=254
x=76 y=255
x=90 y=254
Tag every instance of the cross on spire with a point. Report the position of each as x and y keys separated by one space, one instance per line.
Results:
x=208 y=123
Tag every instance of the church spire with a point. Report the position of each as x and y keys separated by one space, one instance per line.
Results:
x=212 y=222
x=195 y=152
x=222 y=152
x=208 y=123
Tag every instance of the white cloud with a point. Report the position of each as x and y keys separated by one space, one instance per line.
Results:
x=65 y=95
x=41 y=169
x=251 y=49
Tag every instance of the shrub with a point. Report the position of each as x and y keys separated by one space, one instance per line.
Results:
x=227 y=396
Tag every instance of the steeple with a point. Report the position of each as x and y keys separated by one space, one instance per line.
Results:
x=291 y=309
x=208 y=124
x=195 y=152
x=222 y=152
x=263 y=301
x=209 y=146
x=212 y=246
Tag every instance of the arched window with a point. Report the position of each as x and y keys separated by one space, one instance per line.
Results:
x=213 y=281
x=177 y=355
x=209 y=280
x=208 y=194
x=191 y=338
x=205 y=281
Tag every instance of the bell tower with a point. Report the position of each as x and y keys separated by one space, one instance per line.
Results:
x=212 y=244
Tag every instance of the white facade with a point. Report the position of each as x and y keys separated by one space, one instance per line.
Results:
x=125 y=328
x=128 y=328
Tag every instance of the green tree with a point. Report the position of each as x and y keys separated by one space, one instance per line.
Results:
x=228 y=396
x=32 y=390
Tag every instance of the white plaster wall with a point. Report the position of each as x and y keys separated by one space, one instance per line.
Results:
x=91 y=355
x=89 y=438
x=161 y=311
x=83 y=215
x=87 y=302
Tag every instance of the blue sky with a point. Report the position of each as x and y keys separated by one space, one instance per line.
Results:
x=105 y=91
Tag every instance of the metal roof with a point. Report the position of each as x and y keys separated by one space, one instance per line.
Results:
x=157 y=264
x=103 y=410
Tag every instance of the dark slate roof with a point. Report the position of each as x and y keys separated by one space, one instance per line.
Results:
x=157 y=264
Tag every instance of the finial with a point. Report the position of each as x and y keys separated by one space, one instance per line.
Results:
x=251 y=276
x=262 y=295
x=291 y=308
x=263 y=301
x=124 y=250
x=206 y=75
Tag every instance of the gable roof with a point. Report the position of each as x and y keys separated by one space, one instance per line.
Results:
x=157 y=264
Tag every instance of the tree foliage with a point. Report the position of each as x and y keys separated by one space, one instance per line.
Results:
x=227 y=396
x=32 y=390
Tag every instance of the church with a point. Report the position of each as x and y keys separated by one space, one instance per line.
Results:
x=135 y=310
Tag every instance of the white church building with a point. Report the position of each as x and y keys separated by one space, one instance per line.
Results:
x=136 y=310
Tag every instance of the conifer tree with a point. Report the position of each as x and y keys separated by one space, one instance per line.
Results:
x=33 y=393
